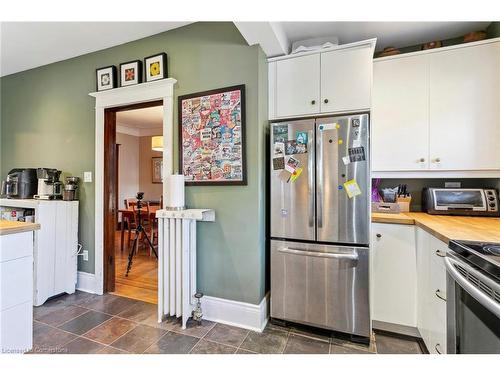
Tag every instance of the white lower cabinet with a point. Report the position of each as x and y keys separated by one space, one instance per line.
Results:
x=408 y=282
x=16 y=292
x=393 y=271
x=431 y=291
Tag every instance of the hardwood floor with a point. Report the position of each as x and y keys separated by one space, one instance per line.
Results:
x=142 y=281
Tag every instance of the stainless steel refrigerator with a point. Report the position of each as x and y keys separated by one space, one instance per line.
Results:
x=319 y=207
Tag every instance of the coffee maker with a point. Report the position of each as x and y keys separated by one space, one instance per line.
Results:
x=49 y=186
x=21 y=183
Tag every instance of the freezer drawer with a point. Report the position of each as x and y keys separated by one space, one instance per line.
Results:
x=321 y=285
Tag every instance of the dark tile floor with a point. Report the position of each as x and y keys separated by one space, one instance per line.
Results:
x=108 y=324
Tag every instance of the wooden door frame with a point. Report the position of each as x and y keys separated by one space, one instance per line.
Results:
x=161 y=91
x=110 y=197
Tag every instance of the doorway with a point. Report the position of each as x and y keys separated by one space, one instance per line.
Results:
x=131 y=165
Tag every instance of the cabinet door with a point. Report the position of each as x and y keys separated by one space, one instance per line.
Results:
x=394 y=274
x=297 y=86
x=423 y=275
x=464 y=108
x=346 y=77
x=400 y=113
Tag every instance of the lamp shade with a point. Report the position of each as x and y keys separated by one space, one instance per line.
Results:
x=157 y=143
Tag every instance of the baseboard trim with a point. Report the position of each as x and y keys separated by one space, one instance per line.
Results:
x=87 y=282
x=235 y=313
x=396 y=328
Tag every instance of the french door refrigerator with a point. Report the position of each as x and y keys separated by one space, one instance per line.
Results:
x=319 y=207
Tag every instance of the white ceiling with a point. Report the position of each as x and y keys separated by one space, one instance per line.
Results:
x=140 y=122
x=26 y=45
x=276 y=38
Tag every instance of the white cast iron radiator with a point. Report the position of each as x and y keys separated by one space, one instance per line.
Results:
x=177 y=261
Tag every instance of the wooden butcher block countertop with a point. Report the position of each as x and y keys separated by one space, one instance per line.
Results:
x=11 y=227
x=446 y=228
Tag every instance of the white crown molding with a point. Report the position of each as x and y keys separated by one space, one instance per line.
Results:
x=138 y=132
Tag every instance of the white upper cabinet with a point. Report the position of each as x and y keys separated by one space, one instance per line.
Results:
x=400 y=114
x=346 y=79
x=438 y=110
x=329 y=81
x=465 y=108
x=297 y=86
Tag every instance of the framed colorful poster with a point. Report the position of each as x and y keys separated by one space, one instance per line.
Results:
x=212 y=137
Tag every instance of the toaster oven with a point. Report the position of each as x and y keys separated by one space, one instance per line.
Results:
x=470 y=202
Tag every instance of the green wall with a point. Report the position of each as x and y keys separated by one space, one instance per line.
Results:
x=47 y=120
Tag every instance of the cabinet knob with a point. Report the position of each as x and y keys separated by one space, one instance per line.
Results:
x=437 y=160
x=313 y=102
x=325 y=101
x=421 y=160
x=378 y=235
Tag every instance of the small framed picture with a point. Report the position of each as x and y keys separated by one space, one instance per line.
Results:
x=157 y=170
x=156 y=67
x=131 y=73
x=106 y=78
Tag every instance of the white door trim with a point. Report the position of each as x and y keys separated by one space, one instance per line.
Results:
x=141 y=93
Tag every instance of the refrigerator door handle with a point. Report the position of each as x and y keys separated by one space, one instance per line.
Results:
x=291 y=250
x=320 y=181
x=310 y=180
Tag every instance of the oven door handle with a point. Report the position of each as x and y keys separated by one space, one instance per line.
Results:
x=470 y=288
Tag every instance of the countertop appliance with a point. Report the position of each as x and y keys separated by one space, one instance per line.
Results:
x=461 y=201
x=473 y=298
x=70 y=188
x=49 y=186
x=319 y=209
x=21 y=183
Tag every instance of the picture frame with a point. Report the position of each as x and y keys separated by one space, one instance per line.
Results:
x=155 y=67
x=157 y=170
x=212 y=137
x=130 y=73
x=106 y=78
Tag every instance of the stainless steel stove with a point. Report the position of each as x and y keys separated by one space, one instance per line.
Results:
x=473 y=304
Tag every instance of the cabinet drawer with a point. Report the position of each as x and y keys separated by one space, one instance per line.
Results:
x=16 y=329
x=16 y=245
x=16 y=282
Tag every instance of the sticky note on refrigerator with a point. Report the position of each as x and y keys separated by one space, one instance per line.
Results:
x=295 y=174
x=352 y=188
x=346 y=160
x=356 y=143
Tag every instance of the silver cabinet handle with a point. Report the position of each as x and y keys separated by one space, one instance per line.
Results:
x=437 y=350
x=438 y=295
x=421 y=160
x=291 y=250
x=439 y=253
x=470 y=288
x=437 y=160
x=378 y=235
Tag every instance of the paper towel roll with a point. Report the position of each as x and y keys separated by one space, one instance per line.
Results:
x=175 y=192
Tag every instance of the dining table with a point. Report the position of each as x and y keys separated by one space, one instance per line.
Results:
x=128 y=214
